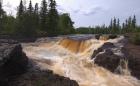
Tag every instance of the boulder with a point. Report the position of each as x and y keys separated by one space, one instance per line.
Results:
x=106 y=45
x=13 y=61
x=112 y=36
x=108 y=60
x=43 y=78
x=105 y=56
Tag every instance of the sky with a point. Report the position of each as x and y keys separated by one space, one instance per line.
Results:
x=88 y=12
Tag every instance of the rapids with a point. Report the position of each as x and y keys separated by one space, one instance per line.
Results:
x=71 y=58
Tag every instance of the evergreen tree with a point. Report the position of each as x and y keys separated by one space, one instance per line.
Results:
x=114 y=25
x=118 y=23
x=134 y=22
x=20 y=9
x=129 y=23
x=1 y=16
x=53 y=19
x=1 y=10
x=126 y=25
x=36 y=16
x=30 y=8
x=36 y=10
x=43 y=15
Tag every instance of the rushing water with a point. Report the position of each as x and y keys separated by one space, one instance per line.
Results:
x=72 y=59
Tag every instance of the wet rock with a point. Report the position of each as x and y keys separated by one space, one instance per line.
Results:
x=133 y=60
x=106 y=45
x=13 y=60
x=106 y=56
x=105 y=37
x=108 y=60
x=43 y=78
x=112 y=36
x=97 y=36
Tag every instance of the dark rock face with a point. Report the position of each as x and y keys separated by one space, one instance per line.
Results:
x=13 y=60
x=105 y=56
x=134 y=62
x=107 y=59
x=43 y=78
x=107 y=45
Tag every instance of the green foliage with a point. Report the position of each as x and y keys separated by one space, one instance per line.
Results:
x=9 y=23
x=135 y=39
x=43 y=16
x=53 y=19
x=32 y=22
x=65 y=24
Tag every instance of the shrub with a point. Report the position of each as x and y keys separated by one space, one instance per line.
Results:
x=136 y=39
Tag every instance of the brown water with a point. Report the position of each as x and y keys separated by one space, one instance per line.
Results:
x=71 y=58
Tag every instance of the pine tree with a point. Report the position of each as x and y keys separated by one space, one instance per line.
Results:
x=114 y=25
x=129 y=23
x=36 y=17
x=53 y=19
x=134 y=22
x=118 y=23
x=30 y=8
x=43 y=15
x=2 y=13
x=36 y=10
x=1 y=10
x=126 y=25
x=20 y=9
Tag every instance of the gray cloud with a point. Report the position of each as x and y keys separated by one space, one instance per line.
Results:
x=91 y=11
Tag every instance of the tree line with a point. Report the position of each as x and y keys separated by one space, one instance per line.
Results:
x=128 y=26
x=35 y=21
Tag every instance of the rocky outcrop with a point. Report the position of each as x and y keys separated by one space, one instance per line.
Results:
x=14 y=64
x=110 y=56
x=133 y=55
x=105 y=37
x=105 y=57
x=43 y=78
x=13 y=60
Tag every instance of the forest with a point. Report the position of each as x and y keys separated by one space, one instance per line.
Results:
x=35 y=21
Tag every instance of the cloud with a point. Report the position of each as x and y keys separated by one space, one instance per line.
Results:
x=91 y=11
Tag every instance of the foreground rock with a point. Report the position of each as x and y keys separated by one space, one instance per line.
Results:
x=43 y=78
x=13 y=61
x=17 y=70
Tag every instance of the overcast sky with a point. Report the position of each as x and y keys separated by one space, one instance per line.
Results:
x=89 y=12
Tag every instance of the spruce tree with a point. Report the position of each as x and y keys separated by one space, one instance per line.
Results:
x=134 y=22
x=36 y=10
x=43 y=16
x=129 y=24
x=1 y=10
x=20 y=9
x=53 y=19
x=118 y=25
x=1 y=16
x=30 y=8
x=114 y=25
x=36 y=16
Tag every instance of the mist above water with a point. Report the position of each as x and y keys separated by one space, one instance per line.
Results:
x=71 y=58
